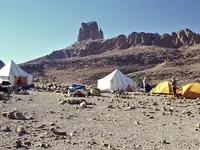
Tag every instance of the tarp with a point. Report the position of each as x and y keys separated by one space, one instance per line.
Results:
x=12 y=72
x=75 y=87
x=162 y=88
x=78 y=86
x=191 y=90
x=148 y=87
x=116 y=81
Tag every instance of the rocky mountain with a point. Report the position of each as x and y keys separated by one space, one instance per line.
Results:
x=1 y=64
x=146 y=54
x=91 y=42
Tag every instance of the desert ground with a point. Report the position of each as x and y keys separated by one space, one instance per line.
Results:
x=131 y=122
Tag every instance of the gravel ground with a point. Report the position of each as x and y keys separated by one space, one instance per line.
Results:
x=137 y=122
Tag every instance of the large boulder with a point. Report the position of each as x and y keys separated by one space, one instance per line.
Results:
x=140 y=38
x=147 y=38
x=121 y=42
x=108 y=45
x=175 y=40
x=90 y=30
x=131 y=38
x=182 y=37
x=164 y=41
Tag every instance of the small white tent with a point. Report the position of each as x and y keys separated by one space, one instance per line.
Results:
x=12 y=72
x=116 y=81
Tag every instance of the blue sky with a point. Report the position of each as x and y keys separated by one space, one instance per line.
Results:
x=34 y=28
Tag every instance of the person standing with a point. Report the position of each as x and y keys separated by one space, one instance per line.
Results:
x=174 y=86
x=145 y=84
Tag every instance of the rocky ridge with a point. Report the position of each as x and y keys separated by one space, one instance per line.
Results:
x=91 y=42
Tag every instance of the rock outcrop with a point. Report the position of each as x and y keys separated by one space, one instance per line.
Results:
x=91 y=42
x=90 y=30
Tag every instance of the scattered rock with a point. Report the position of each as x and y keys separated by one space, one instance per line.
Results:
x=167 y=103
x=52 y=124
x=151 y=117
x=21 y=131
x=19 y=99
x=198 y=125
x=164 y=142
x=164 y=108
x=58 y=132
x=17 y=143
x=41 y=126
x=130 y=107
x=157 y=109
x=19 y=116
x=6 y=129
x=83 y=105
x=28 y=143
x=110 y=106
x=155 y=103
x=136 y=122
x=171 y=109
x=15 y=114
x=42 y=145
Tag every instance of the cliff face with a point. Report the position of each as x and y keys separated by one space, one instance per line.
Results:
x=90 y=30
x=90 y=41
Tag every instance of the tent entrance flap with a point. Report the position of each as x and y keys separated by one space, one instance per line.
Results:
x=23 y=79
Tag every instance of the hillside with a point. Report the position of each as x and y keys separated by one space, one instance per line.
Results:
x=139 y=54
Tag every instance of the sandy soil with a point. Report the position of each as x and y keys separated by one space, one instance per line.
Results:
x=140 y=122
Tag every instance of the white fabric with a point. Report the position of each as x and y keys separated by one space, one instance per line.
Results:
x=11 y=70
x=115 y=81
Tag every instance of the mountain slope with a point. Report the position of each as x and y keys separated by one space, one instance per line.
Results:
x=139 y=54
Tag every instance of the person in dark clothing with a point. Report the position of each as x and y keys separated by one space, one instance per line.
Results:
x=19 y=82
x=174 y=86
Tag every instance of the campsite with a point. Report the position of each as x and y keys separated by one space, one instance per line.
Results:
x=99 y=75
x=56 y=117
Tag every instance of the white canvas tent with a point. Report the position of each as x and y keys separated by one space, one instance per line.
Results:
x=11 y=72
x=116 y=81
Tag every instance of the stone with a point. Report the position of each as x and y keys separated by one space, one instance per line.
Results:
x=4 y=114
x=164 y=142
x=6 y=129
x=19 y=99
x=137 y=123
x=155 y=103
x=19 y=116
x=52 y=124
x=58 y=132
x=198 y=125
x=171 y=109
x=110 y=106
x=83 y=105
x=151 y=117
x=17 y=143
x=28 y=143
x=130 y=108
x=42 y=145
x=21 y=131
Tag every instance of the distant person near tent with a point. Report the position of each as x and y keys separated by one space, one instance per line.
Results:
x=19 y=84
x=145 y=84
x=174 y=86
